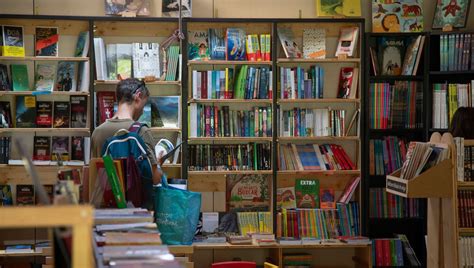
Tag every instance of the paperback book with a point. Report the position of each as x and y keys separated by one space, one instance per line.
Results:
x=66 y=76
x=146 y=60
x=307 y=193
x=198 y=45
x=235 y=42
x=20 y=81
x=13 y=41
x=314 y=43
x=82 y=45
x=46 y=41
x=348 y=39
x=289 y=43
x=286 y=198
x=335 y=8
x=105 y=106
x=4 y=79
x=170 y=8
x=78 y=111
x=250 y=192
x=5 y=114
x=44 y=114
x=77 y=148
x=60 y=148
x=42 y=148
x=62 y=114
x=25 y=195
x=45 y=77
x=6 y=197
x=217 y=44
x=25 y=111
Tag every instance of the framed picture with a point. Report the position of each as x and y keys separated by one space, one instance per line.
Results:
x=451 y=12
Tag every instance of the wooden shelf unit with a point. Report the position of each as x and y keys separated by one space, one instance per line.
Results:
x=326 y=60
x=37 y=58
x=43 y=93
x=228 y=62
x=231 y=101
x=328 y=100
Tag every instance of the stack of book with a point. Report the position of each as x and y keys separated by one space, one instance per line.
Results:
x=300 y=260
x=422 y=156
x=386 y=155
x=393 y=252
x=465 y=160
x=455 y=52
x=387 y=205
x=447 y=98
x=255 y=222
x=302 y=122
x=297 y=83
x=396 y=106
x=466 y=208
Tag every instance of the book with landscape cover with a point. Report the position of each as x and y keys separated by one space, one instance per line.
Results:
x=165 y=111
x=6 y=197
x=42 y=148
x=217 y=44
x=6 y=112
x=66 y=76
x=145 y=118
x=62 y=114
x=105 y=105
x=46 y=41
x=77 y=148
x=44 y=114
x=13 y=41
x=25 y=111
x=248 y=192
x=307 y=193
x=60 y=146
x=289 y=43
x=45 y=76
x=4 y=79
x=25 y=195
x=314 y=43
x=124 y=61
x=235 y=44
x=198 y=45
x=78 y=111
x=20 y=81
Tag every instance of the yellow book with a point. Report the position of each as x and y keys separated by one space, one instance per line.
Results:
x=13 y=41
x=334 y=8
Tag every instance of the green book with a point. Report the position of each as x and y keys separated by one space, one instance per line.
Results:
x=114 y=181
x=307 y=193
x=20 y=77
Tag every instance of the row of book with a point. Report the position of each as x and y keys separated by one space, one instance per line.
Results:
x=319 y=223
x=297 y=260
x=466 y=208
x=4 y=149
x=396 y=106
x=465 y=160
x=251 y=156
x=387 y=205
x=456 y=52
x=314 y=157
x=466 y=248
x=447 y=98
x=23 y=196
x=61 y=76
x=305 y=122
x=386 y=155
x=214 y=121
x=393 y=252
x=248 y=82
x=47 y=149
x=255 y=222
x=30 y=113
x=298 y=83
x=421 y=156
x=228 y=44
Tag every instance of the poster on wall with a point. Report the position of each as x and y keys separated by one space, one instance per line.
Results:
x=451 y=12
x=397 y=16
x=125 y=7
x=331 y=8
x=170 y=8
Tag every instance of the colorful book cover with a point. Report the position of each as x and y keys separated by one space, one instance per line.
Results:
x=46 y=41
x=20 y=81
x=105 y=105
x=451 y=12
x=124 y=61
x=6 y=197
x=165 y=111
x=391 y=51
x=397 y=16
x=217 y=44
x=42 y=148
x=170 y=8
x=66 y=76
x=82 y=45
x=198 y=45
x=4 y=80
x=78 y=111
x=248 y=192
x=62 y=114
x=77 y=148
x=235 y=43
x=25 y=195
x=6 y=114
x=13 y=41
x=334 y=8
x=146 y=60
x=345 y=82
x=44 y=114
x=289 y=43
x=145 y=118
x=25 y=111
x=314 y=43
x=60 y=147
x=410 y=56
x=122 y=7
x=347 y=42
x=45 y=77
x=307 y=193
x=286 y=198
x=327 y=199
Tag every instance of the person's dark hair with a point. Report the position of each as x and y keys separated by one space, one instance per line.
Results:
x=129 y=87
x=462 y=124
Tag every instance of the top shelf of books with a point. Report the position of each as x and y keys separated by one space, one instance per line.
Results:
x=326 y=60
x=33 y=58
x=228 y=62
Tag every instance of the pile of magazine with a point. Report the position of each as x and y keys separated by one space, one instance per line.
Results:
x=422 y=156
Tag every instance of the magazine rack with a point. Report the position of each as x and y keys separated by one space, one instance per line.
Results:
x=438 y=185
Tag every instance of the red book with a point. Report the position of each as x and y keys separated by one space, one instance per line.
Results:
x=204 y=85
x=346 y=157
x=345 y=82
x=208 y=120
x=387 y=259
x=339 y=158
x=44 y=114
x=216 y=121
x=379 y=252
x=105 y=104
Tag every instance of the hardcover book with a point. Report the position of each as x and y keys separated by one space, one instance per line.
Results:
x=346 y=77
x=347 y=41
x=67 y=76
x=42 y=148
x=397 y=16
x=286 y=198
x=165 y=111
x=25 y=195
x=82 y=45
x=235 y=42
x=6 y=114
x=327 y=199
x=170 y=8
x=307 y=193
x=146 y=60
x=124 y=61
x=314 y=43
x=60 y=148
x=25 y=111
x=198 y=45
x=46 y=41
x=391 y=51
x=6 y=197
x=45 y=77
x=77 y=148
x=105 y=105
x=44 y=114
x=62 y=114
x=78 y=111
x=4 y=80
x=411 y=56
x=217 y=44
x=20 y=81
x=248 y=192
x=289 y=43
x=13 y=41
x=334 y=8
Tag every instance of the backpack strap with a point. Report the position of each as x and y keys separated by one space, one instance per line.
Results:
x=136 y=126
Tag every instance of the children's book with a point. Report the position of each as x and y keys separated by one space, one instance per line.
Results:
x=198 y=45
x=286 y=198
x=411 y=56
x=25 y=195
x=6 y=198
x=45 y=76
x=217 y=44
x=13 y=41
x=327 y=199
x=82 y=45
x=25 y=111
x=62 y=114
x=235 y=42
x=67 y=76
x=248 y=192
x=165 y=111
x=4 y=79
x=44 y=114
x=6 y=113
x=347 y=41
x=46 y=41
x=307 y=193
x=335 y=8
x=289 y=43
x=20 y=81
x=60 y=147
x=397 y=16
x=314 y=43
x=391 y=51
x=42 y=148
x=78 y=111
x=450 y=12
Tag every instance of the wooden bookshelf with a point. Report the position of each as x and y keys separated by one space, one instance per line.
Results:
x=329 y=100
x=164 y=129
x=317 y=139
x=326 y=60
x=35 y=58
x=229 y=172
x=55 y=130
x=42 y=93
x=228 y=62
x=154 y=83
x=466 y=184
x=321 y=172
x=229 y=139
x=231 y=101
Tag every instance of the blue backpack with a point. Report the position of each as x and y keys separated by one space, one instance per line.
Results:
x=130 y=147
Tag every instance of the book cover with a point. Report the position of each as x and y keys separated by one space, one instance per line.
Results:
x=314 y=43
x=391 y=51
x=217 y=44
x=235 y=44
x=347 y=41
x=62 y=114
x=105 y=105
x=42 y=148
x=111 y=61
x=4 y=79
x=124 y=61
x=411 y=55
x=170 y=8
x=6 y=197
x=307 y=193
x=145 y=118
x=25 y=111
x=127 y=7
x=146 y=60
x=25 y=195
x=286 y=198
x=327 y=199
x=248 y=192
x=6 y=114
x=451 y=12
x=78 y=111
x=82 y=45
x=77 y=148
x=289 y=43
x=335 y=8
x=20 y=81
x=345 y=82
x=66 y=76
x=60 y=148
x=397 y=16
x=13 y=41
x=165 y=111
x=46 y=41
x=45 y=76
x=44 y=114
x=198 y=45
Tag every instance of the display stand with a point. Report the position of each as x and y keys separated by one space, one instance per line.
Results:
x=438 y=185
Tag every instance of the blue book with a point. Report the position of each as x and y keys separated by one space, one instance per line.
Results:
x=235 y=44
x=399 y=252
x=215 y=83
x=321 y=82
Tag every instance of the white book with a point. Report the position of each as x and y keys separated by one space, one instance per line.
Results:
x=314 y=43
x=347 y=41
x=195 y=84
x=282 y=82
x=292 y=85
x=210 y=221
x=309 y=121
x=84 y=76
x=193 y=119
x=87 y=150
x=209 y=84
x=100 y=67
x=325 y=122
x=146 y=60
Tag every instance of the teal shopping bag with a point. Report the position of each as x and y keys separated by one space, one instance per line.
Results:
x=176 y=213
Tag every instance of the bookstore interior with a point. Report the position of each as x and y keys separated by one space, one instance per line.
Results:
x=237 y=133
